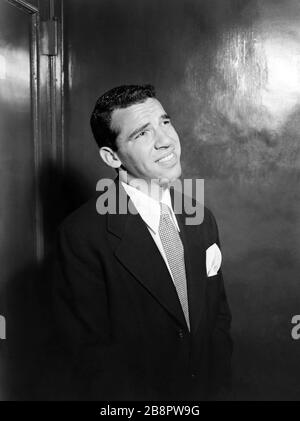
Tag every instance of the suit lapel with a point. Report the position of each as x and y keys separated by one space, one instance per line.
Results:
x=139 y=254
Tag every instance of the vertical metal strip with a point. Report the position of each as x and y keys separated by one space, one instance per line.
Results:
x=52 y=93
x=51 y=9
x=39 y=240
x=62 y=87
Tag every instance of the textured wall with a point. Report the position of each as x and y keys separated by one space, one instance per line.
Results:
x=228 y=72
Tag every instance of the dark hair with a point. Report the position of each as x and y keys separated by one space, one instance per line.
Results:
x=119 y=97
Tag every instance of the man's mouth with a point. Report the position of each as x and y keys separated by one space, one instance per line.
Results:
x=168 y=158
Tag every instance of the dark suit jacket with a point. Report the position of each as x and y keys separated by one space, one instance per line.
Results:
x=121 y=322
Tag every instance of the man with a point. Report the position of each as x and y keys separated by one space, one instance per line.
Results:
x=141 y=317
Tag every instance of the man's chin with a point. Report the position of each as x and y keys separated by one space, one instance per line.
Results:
x=165 y=180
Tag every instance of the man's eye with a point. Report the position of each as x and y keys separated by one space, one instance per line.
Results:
x=141 y=134
x=167 y=122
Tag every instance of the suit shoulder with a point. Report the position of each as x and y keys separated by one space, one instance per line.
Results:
x=194 y=206
x=83 y=220
x=209 y=216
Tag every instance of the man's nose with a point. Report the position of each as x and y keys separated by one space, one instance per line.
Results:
x=162 y=140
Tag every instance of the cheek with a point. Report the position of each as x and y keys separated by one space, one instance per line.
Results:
x=139 y=158
x=174 y=134
x=176 y=141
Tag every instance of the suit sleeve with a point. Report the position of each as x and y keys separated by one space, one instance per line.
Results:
x=222 y=344
x=81 y=314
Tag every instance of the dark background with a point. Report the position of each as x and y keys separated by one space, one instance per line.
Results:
x=228 y=73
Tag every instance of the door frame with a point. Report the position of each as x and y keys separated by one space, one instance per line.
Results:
x=47 y=110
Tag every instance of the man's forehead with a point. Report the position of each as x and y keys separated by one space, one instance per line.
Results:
x=137 y=113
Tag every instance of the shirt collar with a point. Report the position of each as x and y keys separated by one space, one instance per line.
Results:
x=149 y=208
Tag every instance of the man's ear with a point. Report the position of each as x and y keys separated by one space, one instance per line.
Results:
x=110 y=157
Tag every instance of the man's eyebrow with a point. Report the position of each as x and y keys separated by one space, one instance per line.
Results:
x=144 y=126
x=138 y=130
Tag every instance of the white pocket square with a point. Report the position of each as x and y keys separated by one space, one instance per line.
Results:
x=213 y=260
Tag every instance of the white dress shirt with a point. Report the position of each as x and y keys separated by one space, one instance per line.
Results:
x=149 y=210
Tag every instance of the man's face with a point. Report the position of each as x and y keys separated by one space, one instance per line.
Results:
x=148 y=145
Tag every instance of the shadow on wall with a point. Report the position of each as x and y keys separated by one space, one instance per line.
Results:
x=33 y=361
